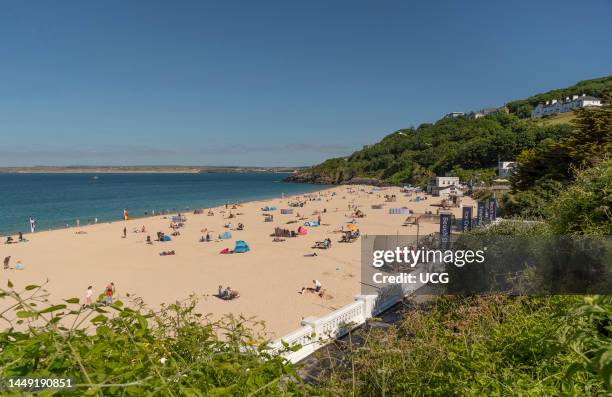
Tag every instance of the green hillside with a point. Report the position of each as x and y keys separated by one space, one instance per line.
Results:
x=468 y=148
x=595 y=87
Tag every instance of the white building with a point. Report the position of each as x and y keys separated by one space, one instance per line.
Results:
x=482 y=113
x=442 y=182
x=446 y=191
x=555 y=106
x=454 y=115
x=506 y=168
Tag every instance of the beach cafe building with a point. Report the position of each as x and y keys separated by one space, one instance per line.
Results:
x=447 y=191
x=440 y=182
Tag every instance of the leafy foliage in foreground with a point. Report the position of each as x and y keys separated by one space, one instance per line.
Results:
x=475 y=346
x=121 y=351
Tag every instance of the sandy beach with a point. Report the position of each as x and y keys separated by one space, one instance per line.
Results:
x=268 y=277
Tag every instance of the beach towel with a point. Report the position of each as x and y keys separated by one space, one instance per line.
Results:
x=311 y=223
x=396 y=211
x=166 y=238
x=225 y=251
x=225 y=236
x=287 y=211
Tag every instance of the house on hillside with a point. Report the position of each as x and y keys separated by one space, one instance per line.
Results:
x=555 y=106
x=482 y=113
x=454 y=115
x=506 y=168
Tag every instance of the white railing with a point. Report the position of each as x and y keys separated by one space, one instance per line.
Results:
x=317 y=332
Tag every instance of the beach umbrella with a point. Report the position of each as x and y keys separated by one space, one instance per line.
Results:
x=352 y=227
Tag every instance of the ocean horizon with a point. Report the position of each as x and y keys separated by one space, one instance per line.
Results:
x=58 y=200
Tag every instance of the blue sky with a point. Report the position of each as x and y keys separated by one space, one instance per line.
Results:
x=270 y=82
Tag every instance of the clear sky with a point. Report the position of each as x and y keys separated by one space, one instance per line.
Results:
x=270 y=82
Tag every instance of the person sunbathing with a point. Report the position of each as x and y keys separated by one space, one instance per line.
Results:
x=232 y=294
x=315 y=289
x=227 y=293
x=165 y=253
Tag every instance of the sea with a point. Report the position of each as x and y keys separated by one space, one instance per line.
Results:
x=59 y=200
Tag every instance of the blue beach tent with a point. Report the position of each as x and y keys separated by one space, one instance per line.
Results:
x=241 y=247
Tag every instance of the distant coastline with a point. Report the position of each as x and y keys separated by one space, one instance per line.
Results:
x=143 y=169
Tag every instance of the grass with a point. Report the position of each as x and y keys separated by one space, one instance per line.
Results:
x=561 y=118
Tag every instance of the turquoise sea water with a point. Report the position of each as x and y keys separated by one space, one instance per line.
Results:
x=56 y=200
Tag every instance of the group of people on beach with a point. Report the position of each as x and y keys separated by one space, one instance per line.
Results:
x=108 y=296
x=18 y=265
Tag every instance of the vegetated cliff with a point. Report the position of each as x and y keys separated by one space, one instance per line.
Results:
x=466 y=147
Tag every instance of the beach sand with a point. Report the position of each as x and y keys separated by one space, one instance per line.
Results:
x=268 y=277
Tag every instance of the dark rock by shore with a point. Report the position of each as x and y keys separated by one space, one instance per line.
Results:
x=308 y=177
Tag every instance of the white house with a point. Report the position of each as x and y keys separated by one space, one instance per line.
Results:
x=454 y=115
x=555 y=106
x=482 y=113
x=446 y=191
x=506 y=168
x=442 y=182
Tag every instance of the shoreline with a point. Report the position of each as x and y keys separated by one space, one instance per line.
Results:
x=164 y=214
x=88 y=220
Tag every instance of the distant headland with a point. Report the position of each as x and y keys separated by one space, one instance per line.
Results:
x=145 y=169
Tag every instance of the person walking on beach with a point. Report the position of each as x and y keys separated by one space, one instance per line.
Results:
x=6 y=262
x=32 y=224
x=109 y=293
x=124 y=232
x=125 y=214
x=88 y=295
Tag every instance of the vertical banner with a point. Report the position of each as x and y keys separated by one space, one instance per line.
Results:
x=445 y=230
x=481 y=213
x=492 y=208
x=466 y=219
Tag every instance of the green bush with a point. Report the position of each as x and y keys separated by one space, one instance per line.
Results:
x=130 y=351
